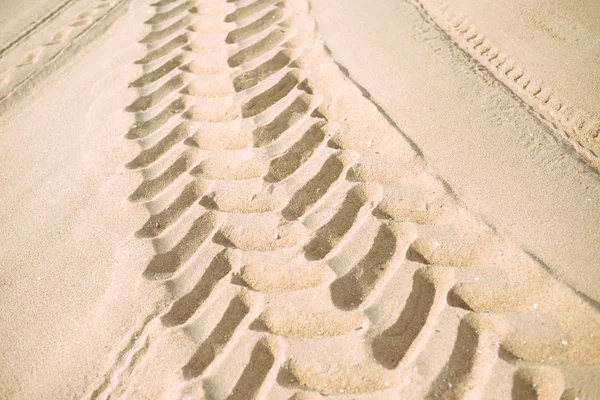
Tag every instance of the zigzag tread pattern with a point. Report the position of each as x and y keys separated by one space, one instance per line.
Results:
x=578 y=126
x=306 y=248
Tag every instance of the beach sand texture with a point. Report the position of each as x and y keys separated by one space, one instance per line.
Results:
x=260 y=226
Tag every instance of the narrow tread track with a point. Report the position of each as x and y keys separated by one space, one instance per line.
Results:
x=92 y=15
x=579 y=127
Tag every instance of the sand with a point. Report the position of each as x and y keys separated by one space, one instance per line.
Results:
x=262 y=199
x=532 y=48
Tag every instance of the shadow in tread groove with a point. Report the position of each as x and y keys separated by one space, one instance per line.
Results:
x=185 y=307
x=157 y=223
x=255 y=376
x=307 y=196
x=217 y=340
x=331 y=234
x=250 y=78
x=387 y=251
x=264 y=135
x=164 y=265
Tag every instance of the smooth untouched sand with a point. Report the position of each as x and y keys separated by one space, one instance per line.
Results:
x=198 y=202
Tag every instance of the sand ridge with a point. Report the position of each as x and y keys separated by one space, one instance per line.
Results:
x=307 y=247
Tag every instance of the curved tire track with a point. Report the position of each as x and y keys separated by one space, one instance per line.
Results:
x=284 y=209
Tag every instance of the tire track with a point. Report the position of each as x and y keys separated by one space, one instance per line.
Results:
x=18 y=78
x=284 y=208
x=578 y=126
x=35 y=26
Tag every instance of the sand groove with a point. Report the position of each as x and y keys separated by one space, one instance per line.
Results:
x=284 y=209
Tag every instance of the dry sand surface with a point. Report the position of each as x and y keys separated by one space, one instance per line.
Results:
x=295 y=200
